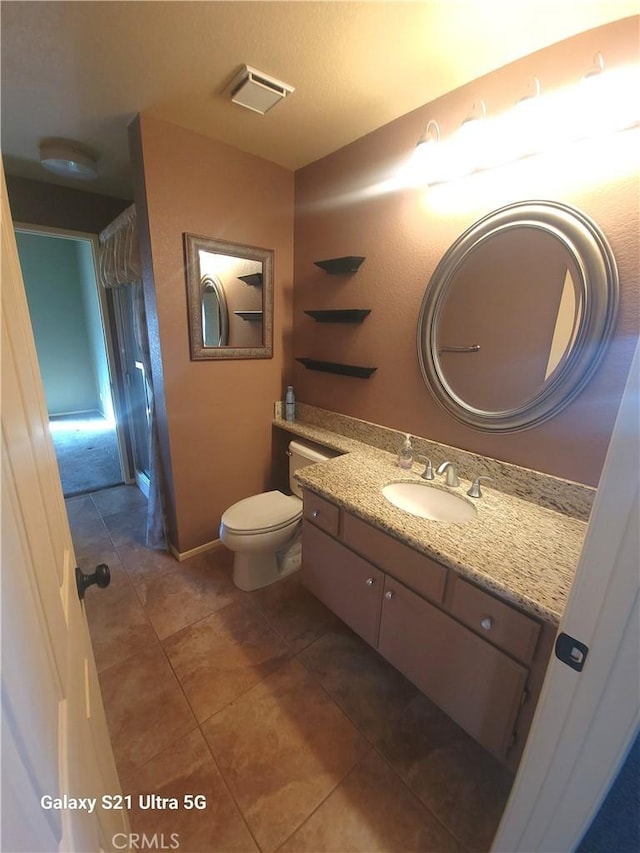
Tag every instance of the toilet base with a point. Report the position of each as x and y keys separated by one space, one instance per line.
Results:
x=254 y=571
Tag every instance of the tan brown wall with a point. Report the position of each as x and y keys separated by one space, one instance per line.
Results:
x=53 y=206
x=344 y=207
x=217 y=414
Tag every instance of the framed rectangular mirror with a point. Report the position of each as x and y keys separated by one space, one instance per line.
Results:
x=229 y=298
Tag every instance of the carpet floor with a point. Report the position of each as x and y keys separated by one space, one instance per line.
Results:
x=87 y=453
x=616 y=827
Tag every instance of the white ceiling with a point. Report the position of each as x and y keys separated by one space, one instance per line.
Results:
x=82 y=70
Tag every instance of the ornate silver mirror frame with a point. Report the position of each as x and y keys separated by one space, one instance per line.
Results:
x=245 y=301
x=591 y=270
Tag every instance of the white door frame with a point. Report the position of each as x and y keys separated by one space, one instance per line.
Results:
x=586 y=722
x=118 y=403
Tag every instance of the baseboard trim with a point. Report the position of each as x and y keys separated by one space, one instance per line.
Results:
x=82 y=413
x=201 y=549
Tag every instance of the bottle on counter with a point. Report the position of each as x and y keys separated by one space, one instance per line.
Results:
x=405 y=454
x=290 y=404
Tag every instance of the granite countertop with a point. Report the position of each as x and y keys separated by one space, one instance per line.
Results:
x=525 y=553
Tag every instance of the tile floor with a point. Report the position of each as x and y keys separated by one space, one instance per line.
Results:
x=300 y=736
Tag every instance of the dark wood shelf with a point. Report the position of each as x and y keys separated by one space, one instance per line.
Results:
x=254 y=279
x=252 y=316
x=337 y=266
x=335 y=367
x=340 y=315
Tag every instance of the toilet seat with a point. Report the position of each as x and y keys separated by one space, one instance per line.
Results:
x=268 y=511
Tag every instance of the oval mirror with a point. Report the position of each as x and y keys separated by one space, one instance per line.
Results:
x=230 y=299
x=215 y=315
x=517 y=315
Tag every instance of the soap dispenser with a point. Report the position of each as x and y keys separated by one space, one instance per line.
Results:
x=290 y=405
x=405 y=454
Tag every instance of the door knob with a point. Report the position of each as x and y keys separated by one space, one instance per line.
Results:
x=101 y=577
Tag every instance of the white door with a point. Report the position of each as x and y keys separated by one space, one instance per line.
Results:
x=586 y=721
x=54 y=735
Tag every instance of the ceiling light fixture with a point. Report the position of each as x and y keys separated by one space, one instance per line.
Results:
x=257 y=91
x=68 y=159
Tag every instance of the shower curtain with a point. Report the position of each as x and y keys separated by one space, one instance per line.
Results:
x=120 y=266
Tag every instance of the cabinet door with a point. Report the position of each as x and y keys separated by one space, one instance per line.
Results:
x=347 y=584
x=415 y=570
x=473 y=682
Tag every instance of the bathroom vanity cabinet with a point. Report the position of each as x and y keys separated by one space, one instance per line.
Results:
x=477 y=657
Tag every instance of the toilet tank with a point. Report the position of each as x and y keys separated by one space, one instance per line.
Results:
x=301 y=455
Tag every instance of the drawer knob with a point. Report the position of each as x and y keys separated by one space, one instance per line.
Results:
x=389 y=594
x=369 y=581
x=486 y=623
x=315 y=513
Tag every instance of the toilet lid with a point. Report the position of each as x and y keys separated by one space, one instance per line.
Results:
x=267 y=511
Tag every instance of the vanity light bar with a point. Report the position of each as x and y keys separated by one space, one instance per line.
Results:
x=602 y=102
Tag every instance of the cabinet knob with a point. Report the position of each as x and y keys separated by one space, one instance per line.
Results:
x=486 y=623
x=315 y=513
x=369 y=581
x=389 y=594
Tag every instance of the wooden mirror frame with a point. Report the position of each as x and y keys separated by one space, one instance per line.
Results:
x=193 y=244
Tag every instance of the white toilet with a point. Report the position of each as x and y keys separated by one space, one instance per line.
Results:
x=264 y=530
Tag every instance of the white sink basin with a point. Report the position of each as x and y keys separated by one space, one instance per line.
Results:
x=428 y=502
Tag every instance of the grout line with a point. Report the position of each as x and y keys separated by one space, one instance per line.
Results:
x=226 y=784
x=414 y=796
x=329 y=794
x=248 y=689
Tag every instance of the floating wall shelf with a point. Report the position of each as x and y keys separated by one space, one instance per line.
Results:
x=254 y=279
x=335 y=367
x=335 y=266
x=340 y=315
x=252 y=316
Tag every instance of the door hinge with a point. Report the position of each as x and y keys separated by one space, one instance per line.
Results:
x=571 y=651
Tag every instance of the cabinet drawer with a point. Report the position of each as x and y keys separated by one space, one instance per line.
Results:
x=321 y=512
x=347 y=584
x=418 y=572
x=494 y=620
x=474 y=683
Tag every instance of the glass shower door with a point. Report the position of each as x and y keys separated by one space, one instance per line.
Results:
x=136 y=387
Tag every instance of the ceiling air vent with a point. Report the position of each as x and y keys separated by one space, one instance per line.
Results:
x=257 y=91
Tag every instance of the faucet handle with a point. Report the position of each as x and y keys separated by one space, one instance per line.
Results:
x=474 y=491
x=427 y=474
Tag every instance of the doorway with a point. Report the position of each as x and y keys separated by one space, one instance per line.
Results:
x=69 y=316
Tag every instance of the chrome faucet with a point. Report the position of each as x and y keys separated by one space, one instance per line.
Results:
x=427 y=474
x=452 y=475
x=474 y=491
